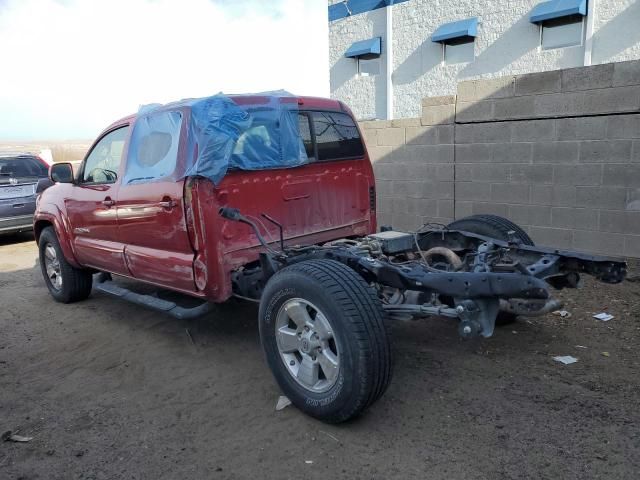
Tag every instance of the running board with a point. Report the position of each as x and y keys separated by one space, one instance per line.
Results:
x=111 y=288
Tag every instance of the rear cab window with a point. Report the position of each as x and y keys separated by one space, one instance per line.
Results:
x=328 y=136
x=22 y=166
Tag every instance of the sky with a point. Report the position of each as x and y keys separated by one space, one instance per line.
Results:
x=68 y=68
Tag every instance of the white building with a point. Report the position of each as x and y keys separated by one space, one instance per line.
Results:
x=436 y=43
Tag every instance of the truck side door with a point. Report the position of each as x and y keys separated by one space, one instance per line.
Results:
x=150 y=206
x=91 y=205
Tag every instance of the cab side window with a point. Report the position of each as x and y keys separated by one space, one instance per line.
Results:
x=103 y=162
x=336 y=136
x=153 y=149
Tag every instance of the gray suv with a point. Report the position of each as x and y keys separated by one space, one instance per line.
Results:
x=22 y=177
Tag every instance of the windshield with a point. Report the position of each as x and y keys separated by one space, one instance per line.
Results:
x=22 y=166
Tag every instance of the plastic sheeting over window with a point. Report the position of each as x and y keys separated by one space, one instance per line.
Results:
x=153 y=148
x=254 y=132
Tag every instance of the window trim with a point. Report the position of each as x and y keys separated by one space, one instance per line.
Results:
x=80 y=177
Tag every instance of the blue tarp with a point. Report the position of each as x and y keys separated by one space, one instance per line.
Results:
x=557 y=9
x=259 y=131
x=453 y=30
x=367 y=48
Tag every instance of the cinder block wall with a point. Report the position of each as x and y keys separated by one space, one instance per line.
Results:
x=557 y=152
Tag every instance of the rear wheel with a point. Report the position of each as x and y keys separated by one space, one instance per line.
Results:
x=499 y=228
x=66 y=284
x=323 y=333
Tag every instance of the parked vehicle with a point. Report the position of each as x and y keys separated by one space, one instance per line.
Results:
x=22 y=177
x=272 y=199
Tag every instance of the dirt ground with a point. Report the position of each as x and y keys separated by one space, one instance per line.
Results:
x=109 y=390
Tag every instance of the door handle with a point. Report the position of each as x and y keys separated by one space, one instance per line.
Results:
x=107 y=202
x=167 y=203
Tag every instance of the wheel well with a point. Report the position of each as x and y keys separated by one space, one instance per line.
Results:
x=39 y=226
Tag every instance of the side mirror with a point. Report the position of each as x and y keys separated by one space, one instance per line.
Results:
x=61 y=173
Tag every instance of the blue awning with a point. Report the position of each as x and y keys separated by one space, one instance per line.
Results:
x=453 y=30
x=365 y=48
x=557 y=9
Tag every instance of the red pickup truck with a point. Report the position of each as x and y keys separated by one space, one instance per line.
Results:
x=271 y=198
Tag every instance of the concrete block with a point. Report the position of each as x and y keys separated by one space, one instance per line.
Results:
x=463 y=209
x=598 y=242
x=438 y=114
x=539 y=215
x=623 y=126
x=580 y=218
x=560 y=104
x=632 y=245
x=475 y=111
x=555 y=152
x=536 y=83
x=605 y=151
x=489 y=173
x=422 y=135
x=405 y=122
x=383 y=171
x=533 y=174
x=444 y=190
x=587 y=78
x=445 y=134
x=514 y=108
x=613 y=100
x=482 y=89
x=425 y=153
x=512 y=152
x=443 y=100
x=617 y=221
x=626 y=73
x=464 y=133
x=510 y=193
x=622 y=175
x=473 y=191
x=400 y=171
x=491 y=133
x=635 y=151
x=490 y=208
x=374 y=124
x=552 y=237
x=581 y=128
x=445 y=208
x=445 y=173
x=370 y=137
x=464 y=172
x=384 y=187
x=474 y=153
x=391 y=136
x=533 y=130
x=612 y=198
x=577 y=174
x=378 y=154
x=554 y=195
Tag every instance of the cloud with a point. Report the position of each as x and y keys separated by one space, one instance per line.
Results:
x=70 y=67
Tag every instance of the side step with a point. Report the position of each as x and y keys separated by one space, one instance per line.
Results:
x=165 y=306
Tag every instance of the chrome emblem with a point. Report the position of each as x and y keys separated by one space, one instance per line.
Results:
x=13 y=181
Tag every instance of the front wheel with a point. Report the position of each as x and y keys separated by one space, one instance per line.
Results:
x=66 y=284
x=324 y=336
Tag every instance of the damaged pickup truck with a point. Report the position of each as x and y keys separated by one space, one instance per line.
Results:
x=271 y=199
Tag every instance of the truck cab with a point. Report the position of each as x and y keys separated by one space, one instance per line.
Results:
x=132 y=211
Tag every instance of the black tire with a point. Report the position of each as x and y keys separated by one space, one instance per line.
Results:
x=355 y=314
x=496 y=227
x=76 y=283
x=491 y=226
